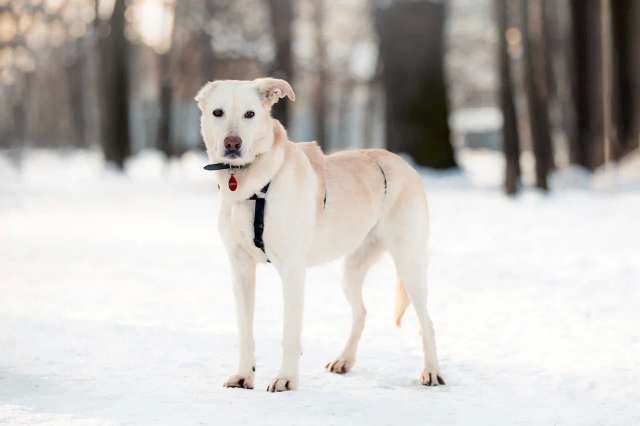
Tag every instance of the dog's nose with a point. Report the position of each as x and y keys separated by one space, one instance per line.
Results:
x=232 y=143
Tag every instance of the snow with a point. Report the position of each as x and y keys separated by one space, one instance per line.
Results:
x=117 y=309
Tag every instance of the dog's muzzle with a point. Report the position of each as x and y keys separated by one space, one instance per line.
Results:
x=232 y=146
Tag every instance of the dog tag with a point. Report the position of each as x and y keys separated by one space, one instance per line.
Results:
x=233 y=183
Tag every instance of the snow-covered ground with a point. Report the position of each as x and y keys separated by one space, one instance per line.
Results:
x=116 y=307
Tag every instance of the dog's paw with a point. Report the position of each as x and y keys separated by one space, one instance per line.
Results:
x=281 y=384
x=244 y=381
x=431 y=378
x=340 y=366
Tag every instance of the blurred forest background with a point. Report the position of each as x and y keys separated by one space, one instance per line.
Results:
x=551 y=83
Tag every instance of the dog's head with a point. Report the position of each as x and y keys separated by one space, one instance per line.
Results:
x=236 y=117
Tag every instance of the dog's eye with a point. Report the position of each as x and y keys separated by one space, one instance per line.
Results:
x=249 y=114
x=218 y=112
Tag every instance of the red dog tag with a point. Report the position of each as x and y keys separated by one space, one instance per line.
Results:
x=233 y=183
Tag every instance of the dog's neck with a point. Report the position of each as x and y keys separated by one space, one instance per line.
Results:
x=254 y=176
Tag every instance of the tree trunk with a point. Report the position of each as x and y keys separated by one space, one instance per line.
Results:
x=345 y=118
x=208 y=56
x=20 y=92
x=411 y=37
x=587 y=149
x=371 y=106
x=165 y=143
x=322 y=81
x=610 y=86
x=16 y=137
x=166 y=89
x=625 y=26
x=114 y=90
x=510 y=136
x=75 y=83
x=565 y=76
x=281 y=12
x=537 y=89
x=634 y=74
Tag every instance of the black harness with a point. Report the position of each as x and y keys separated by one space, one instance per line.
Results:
x=258 y=212
x=258 y=217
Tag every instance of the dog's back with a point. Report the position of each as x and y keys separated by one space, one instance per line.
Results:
x=357 y=190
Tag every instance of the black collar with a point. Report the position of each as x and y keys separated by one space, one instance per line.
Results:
x=223 y=166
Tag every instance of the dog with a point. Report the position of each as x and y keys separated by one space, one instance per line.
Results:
x=293 y=206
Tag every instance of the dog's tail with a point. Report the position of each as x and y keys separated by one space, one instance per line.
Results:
x=402 y=301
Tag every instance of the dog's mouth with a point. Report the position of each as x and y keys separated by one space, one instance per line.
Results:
x=235 y=159
x=232 y=153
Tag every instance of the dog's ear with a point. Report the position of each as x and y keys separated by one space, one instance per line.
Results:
x=204 y=92
x=273 y=89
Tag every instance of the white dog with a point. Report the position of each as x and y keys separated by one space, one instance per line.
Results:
x=289 y=204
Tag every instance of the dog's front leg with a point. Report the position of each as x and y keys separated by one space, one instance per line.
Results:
x=243 y=276
x=293 y=292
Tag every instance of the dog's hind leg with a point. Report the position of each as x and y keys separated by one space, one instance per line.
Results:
x=405 y=238
x=414 y=279
x=356 y=266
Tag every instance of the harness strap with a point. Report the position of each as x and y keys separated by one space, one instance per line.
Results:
x=258 y=217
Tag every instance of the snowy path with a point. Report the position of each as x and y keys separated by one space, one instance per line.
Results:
x=116 y=309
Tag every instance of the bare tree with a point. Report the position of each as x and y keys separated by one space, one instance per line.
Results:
x=412 y=51
x=114 y=85
x=165 y=71
x=21 y=90
x=371 y=105
x=282 y=14
x=536 y=82
x=563 y=72
x=510 y=136
x=322 y=80
x=586 y=149
x=204 y=38
x=625 y=26
x=21 y=81
x=76 y=69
